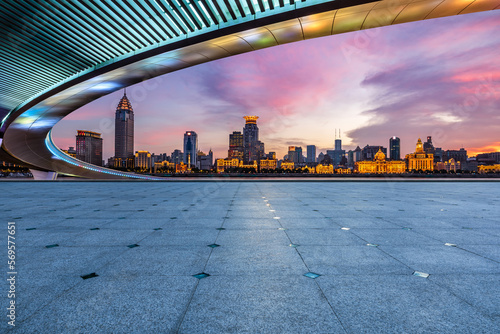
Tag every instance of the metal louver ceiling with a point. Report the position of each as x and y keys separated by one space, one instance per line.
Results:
x=46 y=42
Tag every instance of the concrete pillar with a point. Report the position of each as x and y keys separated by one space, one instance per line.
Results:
x=41 y=175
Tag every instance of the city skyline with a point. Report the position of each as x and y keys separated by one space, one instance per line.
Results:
x=359 y=90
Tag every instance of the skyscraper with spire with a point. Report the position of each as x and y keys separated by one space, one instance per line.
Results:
x=124 y=133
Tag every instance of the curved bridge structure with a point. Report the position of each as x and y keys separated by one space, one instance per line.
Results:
x=59 y=55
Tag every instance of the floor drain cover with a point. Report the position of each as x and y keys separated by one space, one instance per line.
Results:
x=201 y=275
x=89 y=276
x=94 y=229
x=213 y=246
x=312 y=275
x=52 y=246
x=420 y=274
x=31 y=229
x=133 y=246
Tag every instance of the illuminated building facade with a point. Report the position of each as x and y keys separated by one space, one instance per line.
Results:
x=190 y=148
x=181 y=168
x=290 y=165
x=225 y=164
x=251 y=146
x=484 y=169
x=380 y=165
x=324 y=169
x=142 y=160
x=395 y=148
x=124 y=133
x=420 y=160
x=450 y=165
x=235 y=145
x=368 y=152
x=89 y=147
x=268 y=164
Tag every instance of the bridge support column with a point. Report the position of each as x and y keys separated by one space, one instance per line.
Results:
x=41 y=175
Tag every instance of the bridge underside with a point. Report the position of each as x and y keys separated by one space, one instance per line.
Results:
x=26 y=128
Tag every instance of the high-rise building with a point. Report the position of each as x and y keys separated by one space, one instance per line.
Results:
x=235 y=145
x=311 y=153
x=292 y=154
x=338 y=154
x=395 y=148
x=177 y=157
x=338 y=144
x=428 y=147
x=251 y=146
x=89 y=147
x=124 y=133
x=190 y=148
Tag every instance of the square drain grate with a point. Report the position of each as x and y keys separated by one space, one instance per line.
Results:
x=201 y=275
x=312 y=275
x=91 y=275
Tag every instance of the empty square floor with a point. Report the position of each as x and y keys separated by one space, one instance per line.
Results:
x=254 y=257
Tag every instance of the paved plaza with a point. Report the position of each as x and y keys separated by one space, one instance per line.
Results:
x=120 y=257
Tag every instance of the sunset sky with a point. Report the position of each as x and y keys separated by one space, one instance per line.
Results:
x=438 y=77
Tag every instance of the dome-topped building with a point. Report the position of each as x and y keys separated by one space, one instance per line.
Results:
x=420 y=160
x=380 y=165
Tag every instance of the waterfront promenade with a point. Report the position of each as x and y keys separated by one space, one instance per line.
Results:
x=372 y=243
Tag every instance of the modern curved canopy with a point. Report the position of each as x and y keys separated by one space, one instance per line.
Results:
x=59 y=55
